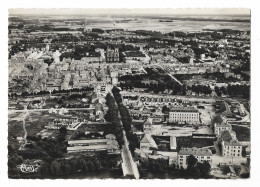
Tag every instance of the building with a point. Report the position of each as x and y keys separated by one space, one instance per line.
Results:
x=108 y=144
x=219 y=128
x=184 y=114
x=201 y=154
x=148 y=125
x=99 y=112
x=159 y=100
x=173 y=143
x=112 y=56
x=158 y=147
x=231 y=147
x=147 y=142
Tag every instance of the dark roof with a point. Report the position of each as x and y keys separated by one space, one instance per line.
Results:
x=226 y=136
x=148 y=122
x=184 y=109
x=98 y=107
x=195 y=151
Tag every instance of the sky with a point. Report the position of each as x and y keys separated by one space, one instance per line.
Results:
x=227 y=11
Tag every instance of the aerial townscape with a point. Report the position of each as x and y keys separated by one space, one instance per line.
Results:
x=131 y=96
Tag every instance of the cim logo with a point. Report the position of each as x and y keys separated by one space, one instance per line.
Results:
x=28 y=168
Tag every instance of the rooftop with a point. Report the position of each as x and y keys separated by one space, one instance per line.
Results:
x=232 y=143
x=92 y=147
x=87 y=141
x=184 y=109
x=226 y=136
x=195 y=151
x=222 y=125
x=148 y=139
x=148 y=122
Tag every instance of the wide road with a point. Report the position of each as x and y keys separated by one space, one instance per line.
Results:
x=127 y=161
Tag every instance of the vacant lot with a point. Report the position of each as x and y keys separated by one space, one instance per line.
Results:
x=207 y=114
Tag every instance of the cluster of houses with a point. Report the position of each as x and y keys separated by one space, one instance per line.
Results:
x=156 y=146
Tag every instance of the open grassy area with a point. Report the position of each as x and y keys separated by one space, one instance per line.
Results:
x=36 y=121
x=15 y=128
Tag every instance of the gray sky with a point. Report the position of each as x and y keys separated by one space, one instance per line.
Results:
x=152 y=11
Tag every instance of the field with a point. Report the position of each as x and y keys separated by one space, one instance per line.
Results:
x=36 y=121
x=15 y=125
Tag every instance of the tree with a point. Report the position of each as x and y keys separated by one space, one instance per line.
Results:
x=82 y=164
x=218 y=91
x=133 y=141
x=97 y=163
x=15 y=160
x=55 y=168
x=194 y=172
x=217 y=119
x=20 y=26
x=165 y=109
x=191 y=160
x=65 y=167
x=91 y=166
x=63 y=130
x=225 y=170
x=62 y=134
x=44 y=169
x=204 y=168
x=223 y=90
x=74 y=164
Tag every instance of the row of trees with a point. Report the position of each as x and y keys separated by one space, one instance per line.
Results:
x=63 y=167
x=156 y=165
x=154 y=87
x=126 y=120
x=239 y=90
x=57 y=167
x=200 y=89
x=112 y=117
x=234 y=91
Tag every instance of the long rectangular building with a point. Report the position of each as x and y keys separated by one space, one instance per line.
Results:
x=184 y=114
x=108 y=144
